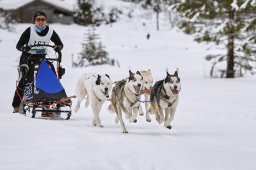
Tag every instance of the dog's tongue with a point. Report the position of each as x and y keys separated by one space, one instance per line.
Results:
x=137 y=89
x=175 y=91
x=147 y=90
x=106 y=94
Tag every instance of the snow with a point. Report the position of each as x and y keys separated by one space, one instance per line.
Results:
x=5 y=4
x=234 y=5
x=14 y=4
x=66 y=4
x=213 y=129
x=244 y=5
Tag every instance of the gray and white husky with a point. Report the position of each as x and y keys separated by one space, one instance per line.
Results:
x=95 y=89
x=125 y=98
x=165 y=97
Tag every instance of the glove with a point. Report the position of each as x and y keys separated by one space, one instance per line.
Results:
x=25 y=49
x=57 y=48
x=24 y=68
x=23 y=71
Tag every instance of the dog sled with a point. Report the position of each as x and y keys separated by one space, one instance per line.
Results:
x=43 y=92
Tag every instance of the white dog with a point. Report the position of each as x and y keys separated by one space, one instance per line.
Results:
x=148 y=83
x=95 y=89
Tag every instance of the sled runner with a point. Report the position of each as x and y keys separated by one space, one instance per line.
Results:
x=43 y=93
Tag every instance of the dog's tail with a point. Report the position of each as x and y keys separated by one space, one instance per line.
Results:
x=77 y=106
x=80 y=92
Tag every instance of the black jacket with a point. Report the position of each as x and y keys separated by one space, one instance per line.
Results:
x=24 y=39
x=26 y=35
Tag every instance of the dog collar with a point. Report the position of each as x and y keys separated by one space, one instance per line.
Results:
x=166 y=98
x=169 y=104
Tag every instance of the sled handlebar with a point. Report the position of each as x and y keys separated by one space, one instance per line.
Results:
x=52 y=46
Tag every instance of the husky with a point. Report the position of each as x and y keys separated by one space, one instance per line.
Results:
x=126 y=98
x=148 y=83
x=95 y=89
x=165 y=97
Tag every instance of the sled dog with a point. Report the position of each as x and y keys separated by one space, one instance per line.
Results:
x=126 y=98
x=94 y=88
x=148 y=83
x=165 y=94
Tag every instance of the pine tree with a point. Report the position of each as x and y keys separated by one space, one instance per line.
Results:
x=93 y=52
x=157 y=6
x=157 y=9
x=84 y=15
x=89 y=14
x=6 y=22
x=229 y=24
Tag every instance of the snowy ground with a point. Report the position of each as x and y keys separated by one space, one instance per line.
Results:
x=213 y=129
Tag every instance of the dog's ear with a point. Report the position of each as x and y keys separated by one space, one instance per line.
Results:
x=138 y=73
x=168 y=74
x=131 y=73
x=167 y=78
x=98 y=80
x=176 y=73
x=131 y=76
x=107 y=75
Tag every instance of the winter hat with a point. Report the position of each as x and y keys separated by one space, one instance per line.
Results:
x=39 y=13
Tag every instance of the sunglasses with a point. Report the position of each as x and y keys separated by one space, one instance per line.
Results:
x=40 y=19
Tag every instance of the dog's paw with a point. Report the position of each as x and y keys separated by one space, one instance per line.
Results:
x=148 y=120
x=141 y=113
x=132 y=120
x=159 y=120
x=97 y=125
x=125 y=131
x=168 y=126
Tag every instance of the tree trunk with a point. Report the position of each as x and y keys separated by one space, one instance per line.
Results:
x=157 y=21
x=230 y=55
